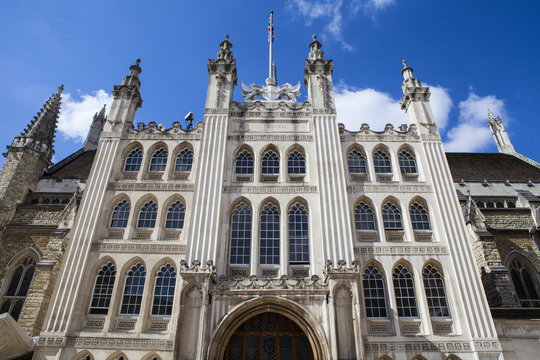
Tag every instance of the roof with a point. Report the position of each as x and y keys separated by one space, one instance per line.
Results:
x=491 y=166
x=76 y=166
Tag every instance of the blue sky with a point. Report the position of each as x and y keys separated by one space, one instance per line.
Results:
x=473 y=55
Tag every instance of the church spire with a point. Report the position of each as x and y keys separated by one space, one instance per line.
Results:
x=500 y=135
x=39 y=134
x=94 y=133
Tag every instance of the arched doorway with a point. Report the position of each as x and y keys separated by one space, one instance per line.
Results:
x=268 y=336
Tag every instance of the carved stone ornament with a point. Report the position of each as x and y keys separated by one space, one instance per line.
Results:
x=341 y=268
x=196 y=267
x=270 y=92
x=225 y=283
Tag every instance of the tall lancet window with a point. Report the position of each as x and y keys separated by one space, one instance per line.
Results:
x=381 y=161
x=435 y=292
x=148 y=215
x=525 y=282
x=270 y=163
x=184 y=160
x=407 y=163
x=120 y=215
x=357 y=162
x=13 y=299
x=363 y=217
x=133 y=290
x=244 y=163
x=103 y=288
x=175 y=216
x=134 y=160
x=405 y=293
x=159 y=160
x=391 y=217
x=296 y=163
x=269 y=236
x=241 y=235
x=419 y=217
x=164 y=291
x=374 y=293
x=298 y=235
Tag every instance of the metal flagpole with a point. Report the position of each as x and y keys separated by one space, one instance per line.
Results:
x=271 y=42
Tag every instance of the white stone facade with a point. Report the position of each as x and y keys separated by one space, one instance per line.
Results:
x=323 y=291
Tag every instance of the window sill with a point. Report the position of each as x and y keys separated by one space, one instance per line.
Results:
x=238 y=271
x=130 y=175
x=269 y=271
x=410 y=326
x=171 y=234
x=158 y=324
x=299 y=270
x=423 y=235
x=394 y=235
x=154 y=175
x=384 y=177
x=143 y=234
x=180 y=175
x=409 y=176
x=379 y=327
x=358 y=176
x=126 y=322
x=116 y=233
x=366 y=235
x=95 y=321
x=244 y=177
x=296 y=177
x=442 y=326
x=269 y=177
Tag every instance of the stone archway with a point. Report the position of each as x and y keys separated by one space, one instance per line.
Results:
x=305 y=322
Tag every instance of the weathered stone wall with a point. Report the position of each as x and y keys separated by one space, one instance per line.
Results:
x=508 y=219
x=38 y=214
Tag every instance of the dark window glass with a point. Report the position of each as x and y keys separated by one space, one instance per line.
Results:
x=269 y=237
x=404 y=292
x=103 y=288
x=381 y=161
x=525 y=283
x=164 y=291
x=407 y=163
x=391 y=217
x=357 y=163
x=134 y=160
x=363 y=217
x=241 y=235
x=374 y=293
x=148 y=215
x=435 y=292
x=298 y=235
x=244 y=163
x=159 y=160
x=419 y=217
x=120 y=215
x=13 y=300
x=184 y=161
x=270 y=163
x=133 y=290
x=296 y=163
x=175 y=216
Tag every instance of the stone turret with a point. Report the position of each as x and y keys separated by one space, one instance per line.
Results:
x=222 y=77
x=318 y=77
x=500 y=135
x=92 y=139
x=28 y=157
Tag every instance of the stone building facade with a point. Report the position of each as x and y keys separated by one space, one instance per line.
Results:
x=267 y=231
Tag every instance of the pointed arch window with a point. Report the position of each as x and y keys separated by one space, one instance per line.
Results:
x=525 y=282
x=296 y=163
x=382 y=163
x=269 y=236
x=103 y=287
x=134 y=160
x=357 y=162
x=405 y=292
x=241 y=235
x=363 y=217
x=13 y=299
x=184 y=161
x=159 y=160
x=120 y=215
x=298 y=235
x=419 y=217
x=133 y=290
x=392 y=217
x=435 y=292
x=175 y=216
x=270 y=163
x=244 y=163
x=407 y=163
x=164 y=291
x=148 y=215
x=374 y=293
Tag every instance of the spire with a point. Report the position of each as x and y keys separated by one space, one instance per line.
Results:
x=409 y=81
x=315 y=50
x=225 y=52
x=39 y=134
x=94 y=132
x=133 y=77
x=271 y=65
x=499 y=134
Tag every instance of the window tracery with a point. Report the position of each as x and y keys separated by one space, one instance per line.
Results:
x=296 y=163
x=134 y=160
x=175 y=216
x=298 y=235
x=148 y=215
x=164 y=291
x=407 y=163
x=392 y=217
x=363 y=217
x=241 y=235
x=103 y=287
x=244 y=163
x=269 y=235
x=270 y=163
x=374 y=293
x=419 y=217
x=525 y=282
x=21 y=278
x=184 y=161
x=133 y=290
x=404 y=292
x=159 y=160
x=381 y=162
x=435 y=292
x=120 y=215
x=357 y=162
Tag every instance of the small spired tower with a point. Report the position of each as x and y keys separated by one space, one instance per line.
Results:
x=500 y=135
x=92 y=139
x=28 y=157
x=271 y=92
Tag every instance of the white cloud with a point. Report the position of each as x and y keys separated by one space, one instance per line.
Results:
x=472 y=132
x=76 y=114
x=331 y=11
x=376 y=108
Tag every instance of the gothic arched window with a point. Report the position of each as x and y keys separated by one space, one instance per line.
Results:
x=134 y=160
x=296 y=163
x=241 y=235
x=270 y=163
x=148 y=215
x=357 y=162
x=244 y=163
x=184 y=160
x=269 y=236
x=435 y=292
x=133 y=290
x=175 y=216
x=404 y=292
x=13 y=299
x=391 y=217
x=164 y=291
x=363 y=217
x=525 y=282
x=381 y=161
x=407 y=163
x=159 y=160
x=298 y=235
x=103 y=288
x=374 y=293
x=120 y=215
x=419 y=217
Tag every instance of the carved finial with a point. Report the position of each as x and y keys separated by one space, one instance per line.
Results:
x=314 y=37
x=138 y=61
x=404 y=62
x=227 y=37
x=315 y=50
x=225 y=52
x=60 y=89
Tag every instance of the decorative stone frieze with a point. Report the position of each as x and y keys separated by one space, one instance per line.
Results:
x=253 y=283
x=150 y=186
x=269 y=189
x=450 y=346
x=271 y=138
x=140 y=248
x=404 y=250
x=389 y=188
